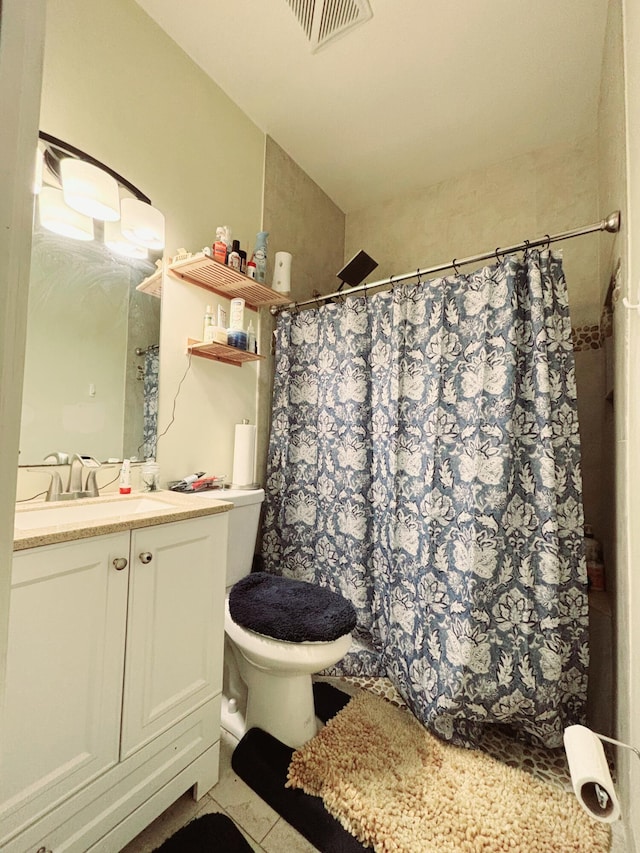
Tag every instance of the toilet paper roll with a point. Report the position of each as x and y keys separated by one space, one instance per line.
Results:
x=282 y=272
x=244 y=454
x=590 y=774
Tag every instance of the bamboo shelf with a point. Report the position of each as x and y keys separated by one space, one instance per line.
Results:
x=203 y=271
x=221 y=352
x=152 y=285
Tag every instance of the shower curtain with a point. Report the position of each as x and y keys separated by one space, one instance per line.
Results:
x=150 y=405
x=424 y=461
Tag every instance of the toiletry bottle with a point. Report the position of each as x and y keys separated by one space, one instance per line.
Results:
x=222 y=317
x=226 y=232
x=251 y=268
x=207 y=323
x=243 y=261
x=260 y=255
x=234 y=256
x=251 y=338
x=125 y=477
x=220 y=247
x=237 y=338
x=236 y=320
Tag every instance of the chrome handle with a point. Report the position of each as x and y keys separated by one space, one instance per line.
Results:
x=120 y=563
x=146 y=557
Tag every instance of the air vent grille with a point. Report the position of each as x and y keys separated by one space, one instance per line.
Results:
x=324 y=20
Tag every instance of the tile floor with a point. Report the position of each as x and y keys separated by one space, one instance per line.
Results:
x=263 y=828
x=267 y=832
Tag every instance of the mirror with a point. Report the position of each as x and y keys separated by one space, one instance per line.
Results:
x=91 y=362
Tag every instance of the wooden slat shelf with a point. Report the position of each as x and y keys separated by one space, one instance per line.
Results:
x=152 y=285
x=225 y=281
x=221 y=352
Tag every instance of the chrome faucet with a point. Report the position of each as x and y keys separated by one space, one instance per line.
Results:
x=74 y=486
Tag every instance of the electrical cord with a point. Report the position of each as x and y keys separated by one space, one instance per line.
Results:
x=155 y=444
x=32 y=498
x=173 y=411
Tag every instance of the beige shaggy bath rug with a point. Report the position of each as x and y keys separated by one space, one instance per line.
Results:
x=401 y=790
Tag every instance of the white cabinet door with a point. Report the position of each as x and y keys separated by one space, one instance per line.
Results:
x=175 y=625
x=61 y=721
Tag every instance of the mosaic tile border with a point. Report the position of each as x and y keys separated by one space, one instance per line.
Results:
x=593 y=336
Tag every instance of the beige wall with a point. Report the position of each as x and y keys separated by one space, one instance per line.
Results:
x=612 y=190
x=117 y=87
x=627 y=335
x=547 y=191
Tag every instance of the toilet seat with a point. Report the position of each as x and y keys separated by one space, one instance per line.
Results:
x=289 y=609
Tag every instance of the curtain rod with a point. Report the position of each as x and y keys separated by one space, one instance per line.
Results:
x=611 y=224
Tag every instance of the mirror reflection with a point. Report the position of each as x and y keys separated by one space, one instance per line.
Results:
x=91 y=366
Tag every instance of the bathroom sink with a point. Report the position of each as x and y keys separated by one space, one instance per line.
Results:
x=76 y=512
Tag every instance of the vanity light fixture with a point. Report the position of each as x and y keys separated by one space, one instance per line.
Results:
x=142 y=224
x=114 y=239
x=86 y=189
x=89 y=189
x=58 y=217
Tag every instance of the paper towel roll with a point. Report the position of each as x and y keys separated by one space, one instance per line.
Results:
x=244 y=454
x=590 y=775
x=282 y=272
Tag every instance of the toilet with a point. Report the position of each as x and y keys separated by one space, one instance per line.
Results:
x=267 y=681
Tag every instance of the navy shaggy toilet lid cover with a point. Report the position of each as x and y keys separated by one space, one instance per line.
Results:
x=291 y=610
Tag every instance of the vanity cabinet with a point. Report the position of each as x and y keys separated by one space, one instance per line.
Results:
x=174 y=638
x=113 y=684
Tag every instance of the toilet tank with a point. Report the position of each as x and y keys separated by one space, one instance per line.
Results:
x=243 y=530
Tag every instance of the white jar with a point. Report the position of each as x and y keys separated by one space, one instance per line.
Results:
x=236 y=321
x=150 y=476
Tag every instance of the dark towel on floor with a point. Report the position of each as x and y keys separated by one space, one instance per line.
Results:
x=291 y=610
x=211 y=833
x=263 y=762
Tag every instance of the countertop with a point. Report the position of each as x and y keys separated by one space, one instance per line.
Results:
x=183 y=506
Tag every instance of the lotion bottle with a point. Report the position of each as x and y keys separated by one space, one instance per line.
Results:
x=220 y=246
x=125 y=477
x=207 y=322
x=251 y=339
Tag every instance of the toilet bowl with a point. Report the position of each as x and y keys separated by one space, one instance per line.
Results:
x=279 y=697
x=267 y=682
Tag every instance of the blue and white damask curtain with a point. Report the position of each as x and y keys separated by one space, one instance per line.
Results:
x=150 y=403
x=424 y=461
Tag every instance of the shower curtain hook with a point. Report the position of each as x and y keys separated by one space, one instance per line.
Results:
x=526 y=248
x=548 y=246
x=419 y=275
x=455 y=268
x=498 y=258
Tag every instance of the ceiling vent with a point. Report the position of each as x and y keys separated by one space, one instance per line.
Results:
x=325 y=20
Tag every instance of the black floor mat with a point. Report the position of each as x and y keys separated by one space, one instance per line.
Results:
x=211 y=833
x=328 y=700
x=262 y=762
